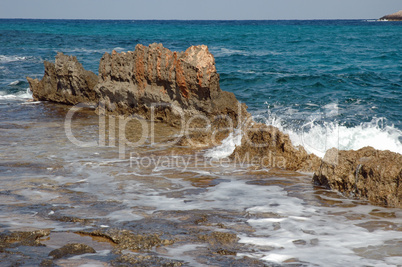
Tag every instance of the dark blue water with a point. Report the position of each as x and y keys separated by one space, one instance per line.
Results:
x=340 y=78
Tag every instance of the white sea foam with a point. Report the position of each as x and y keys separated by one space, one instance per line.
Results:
x=7 y=59
x=22 y=95
x=317 y=138
x=227 y=147
x=312 y=235
x=14 y=83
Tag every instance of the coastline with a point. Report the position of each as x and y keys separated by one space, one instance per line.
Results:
x=85 y=175
x=182 y=89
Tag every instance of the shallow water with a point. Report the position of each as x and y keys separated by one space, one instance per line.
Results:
x=279 y=217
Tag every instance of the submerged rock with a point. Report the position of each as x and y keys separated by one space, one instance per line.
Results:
x=70 y=250
x=125 y=239
x=397 y=16
x=222 y=243
x=366 y=173
x=65 y=81
x=145 y=260
x=22 y=238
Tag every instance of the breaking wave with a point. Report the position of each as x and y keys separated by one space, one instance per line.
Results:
x=21 y=95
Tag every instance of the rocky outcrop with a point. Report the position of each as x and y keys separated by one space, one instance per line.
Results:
x=65 y=81
x=267 y=146
x=151 y=81
x=366 y=173
x=393 y=17
x=174 y=84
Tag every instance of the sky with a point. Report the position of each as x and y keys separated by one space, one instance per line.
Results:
x=198 y=9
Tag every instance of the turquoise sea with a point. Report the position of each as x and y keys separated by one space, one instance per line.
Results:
x=310 y=78
x=327 y=83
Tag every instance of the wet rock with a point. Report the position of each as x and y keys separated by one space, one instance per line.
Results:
x=65 y=81
x=145 y=260
x=397 y=16
x=70 y=250
x=71 y=219
x=222 y=243
x=125 y=239
x=22 y=238
x=267 y=146
x=366 y=173
x=47 y=263
x=300 y=242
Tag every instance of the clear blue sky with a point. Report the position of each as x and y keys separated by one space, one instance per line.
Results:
x=198 y=9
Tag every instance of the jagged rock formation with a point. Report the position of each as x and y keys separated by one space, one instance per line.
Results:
x=366 y=173
x=269 y=147
x=175 y=83
x=65 y=81
x=393 y=17
x=152 y=82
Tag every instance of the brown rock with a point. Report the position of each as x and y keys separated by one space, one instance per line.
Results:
x=366 y=173
x=145 y=260
x=178 y=88
x=65 y=81
x=222 y=243
x=175 y=85
x=22 y=238
x=70 y=250
x=393 y=17
x=267 y=146
x=125 y=239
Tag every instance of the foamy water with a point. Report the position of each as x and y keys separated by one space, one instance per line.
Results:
x=318 y=138
x=227 y=147
x=322 y=130
x=21 y=95
x=277 y=216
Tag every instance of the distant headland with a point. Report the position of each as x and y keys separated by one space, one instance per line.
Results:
x=393 y=17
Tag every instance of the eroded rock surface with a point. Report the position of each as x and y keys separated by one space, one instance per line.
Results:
x=178 y=88
x=22 y=238
x=125 y=239
x=174 y=84
x=366 y=173
x=267 y=146
x=65 y=81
